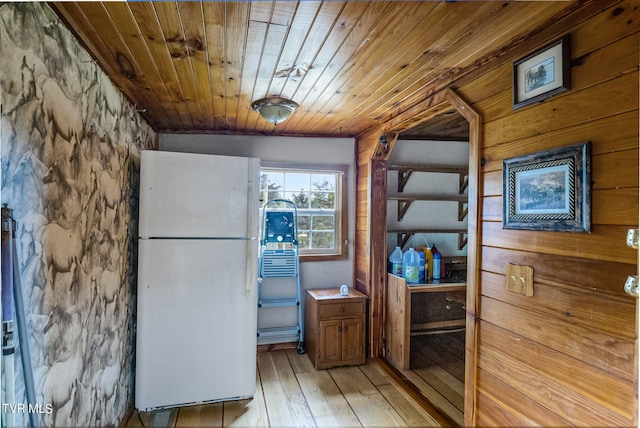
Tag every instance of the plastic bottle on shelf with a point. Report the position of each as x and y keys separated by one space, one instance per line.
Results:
x=428 y=254
x=438 y=271
x=422 y=273
x=396 y=261
x=411 y=266
x=436 y=266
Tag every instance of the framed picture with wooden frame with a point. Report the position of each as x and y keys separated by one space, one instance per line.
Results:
x=542 y=74
x=548 y=190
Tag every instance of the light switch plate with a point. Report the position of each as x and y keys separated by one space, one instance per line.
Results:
x=520 y=279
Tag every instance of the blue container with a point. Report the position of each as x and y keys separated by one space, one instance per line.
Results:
x=436 y=266
x=422 y=278
x=396 y=261
x=411 y=266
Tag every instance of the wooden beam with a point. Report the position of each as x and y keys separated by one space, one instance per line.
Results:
x=385 y=146
x=473 y=252
x=365 y=149
x=377 y=247
x=444 y=169
x=426 y=197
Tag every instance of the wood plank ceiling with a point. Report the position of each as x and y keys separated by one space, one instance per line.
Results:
x=350 y=65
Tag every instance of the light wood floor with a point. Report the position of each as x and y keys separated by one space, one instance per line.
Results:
x=437 y=371
x=290 y=392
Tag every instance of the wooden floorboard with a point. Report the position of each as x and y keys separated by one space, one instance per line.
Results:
x=285 y=402
x=409 y=410
x=432 y=349
x=437 y=371
x=370 y=406
x=200 y=416
x=290 y=392
x=245 y=412
x=328 y=406
x=434 y=397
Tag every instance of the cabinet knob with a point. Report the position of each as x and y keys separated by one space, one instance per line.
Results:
x=339 y=328
x=341 y=309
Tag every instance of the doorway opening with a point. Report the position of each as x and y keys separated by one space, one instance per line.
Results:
x=427 y=207
x=432 y=190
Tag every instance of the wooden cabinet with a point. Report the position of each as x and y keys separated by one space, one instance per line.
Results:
x=442 y=312
x=335 y=327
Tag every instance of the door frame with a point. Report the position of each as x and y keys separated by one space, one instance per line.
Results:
x=431 y=107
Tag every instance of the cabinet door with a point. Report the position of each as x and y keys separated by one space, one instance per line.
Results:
x=330 y=341
x=353 y=340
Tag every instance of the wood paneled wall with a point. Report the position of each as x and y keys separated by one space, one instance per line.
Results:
x=366 y=145
x=566 y=355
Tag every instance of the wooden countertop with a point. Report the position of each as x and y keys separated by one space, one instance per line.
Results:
x=435 y=287
x=334 y=293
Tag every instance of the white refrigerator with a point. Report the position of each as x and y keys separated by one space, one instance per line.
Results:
x=197 y=279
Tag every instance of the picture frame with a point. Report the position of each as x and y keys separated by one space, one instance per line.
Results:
x=548 y=190
x=542 y=74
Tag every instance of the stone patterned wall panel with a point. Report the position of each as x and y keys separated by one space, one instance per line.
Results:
x=70 y=162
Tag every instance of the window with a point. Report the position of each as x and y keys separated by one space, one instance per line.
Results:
x=318 y=195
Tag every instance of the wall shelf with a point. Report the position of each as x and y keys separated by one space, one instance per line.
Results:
x=405 y=201
x=404 y=235
x=405 y=172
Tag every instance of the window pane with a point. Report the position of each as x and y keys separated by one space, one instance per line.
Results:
x=322 y=222
x=271 y=185
x=297 y=181
x=303 y=222
x=277 y=205
x=301 y=199
x=272 y=180
x=273 y=194
x=323 y=200
x=303 y=240
x=322 y=240
x=316 y=197
x=323 y=182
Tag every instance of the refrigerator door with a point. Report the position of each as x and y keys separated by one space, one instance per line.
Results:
x=196 y=337
x=198 y=196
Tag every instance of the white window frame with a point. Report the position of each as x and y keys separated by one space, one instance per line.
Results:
x=340 y=250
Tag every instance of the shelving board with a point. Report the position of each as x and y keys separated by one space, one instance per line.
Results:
x=405 y=171
x=403 y=236
x=405 y=201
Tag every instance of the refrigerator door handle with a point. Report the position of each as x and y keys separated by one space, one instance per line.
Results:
x=252 y=274
x=253 y=197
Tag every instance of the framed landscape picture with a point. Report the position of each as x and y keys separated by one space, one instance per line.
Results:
x=542 y=74
x=548 y=190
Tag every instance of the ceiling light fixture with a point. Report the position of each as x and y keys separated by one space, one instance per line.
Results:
x=274 y=110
